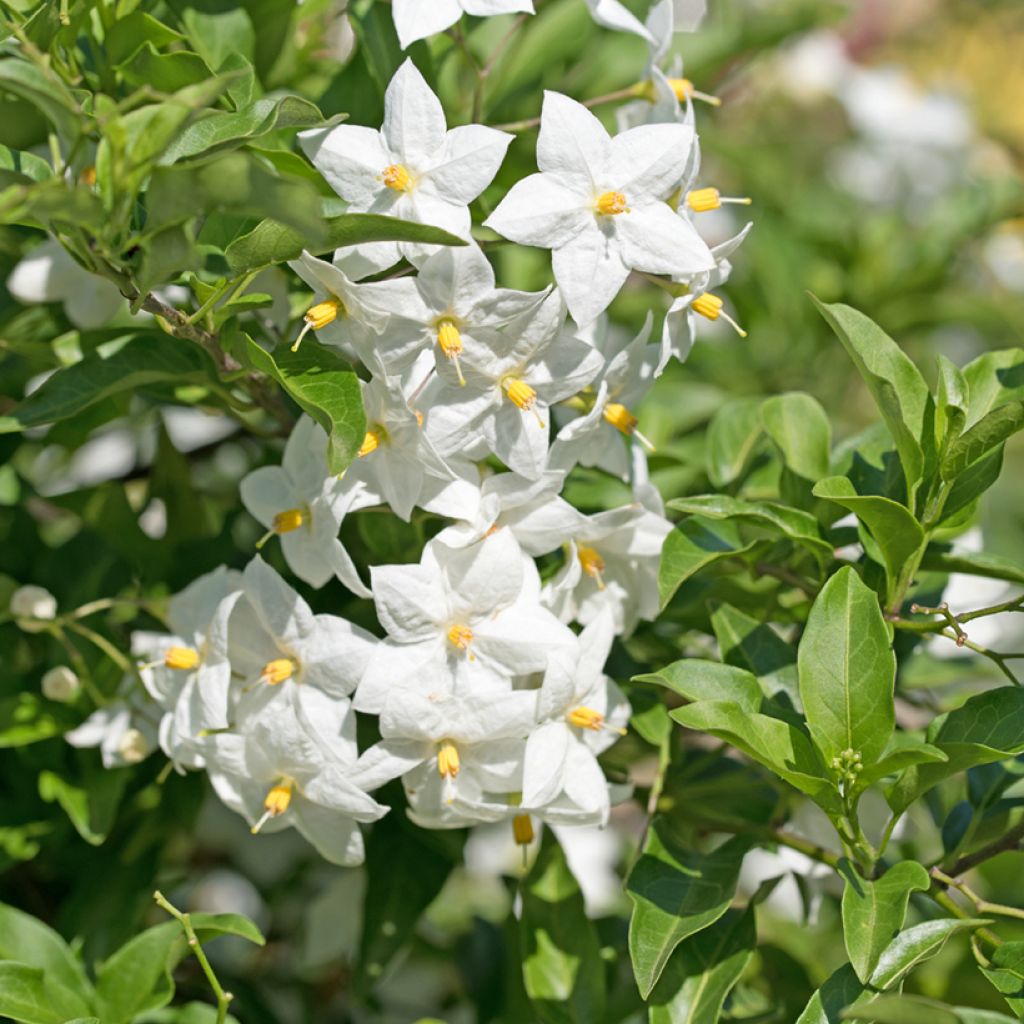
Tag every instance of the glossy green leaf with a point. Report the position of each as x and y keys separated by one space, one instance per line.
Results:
x=952 y=403
x=1005 y=971
x=915 y=945
x=24 y=165
x=749 y=643
x=692 y=546
x=28 y=995
x=92 y=806
x=993 y=378
x=130 y=32
x=903 y=1009
x=676 y=893
x=703 y=970
x=873 y=911
x=896 y=761
x=940 y=558
x=898 y=388
x=733 y=434
x=27 y=940
x=847 y=670
x=165 y=72
x=799 y=427
x=142 y=360
x=989 y=432
x=841 y=991
x=562 y=968
x=696 y=679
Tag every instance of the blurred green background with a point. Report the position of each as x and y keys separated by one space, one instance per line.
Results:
x=881 y=145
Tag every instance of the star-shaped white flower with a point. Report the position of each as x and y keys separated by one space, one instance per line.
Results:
x=508 y=389
x=125 y=730
x=599 y=204
x=417 y=19
x=413 y=168
x=304 y=505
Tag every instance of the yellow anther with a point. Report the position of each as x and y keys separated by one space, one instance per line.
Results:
x=709 y=306
x=88 y=176
x=620 y=418
x=460 y=637
x=684 y=90
x=184 y=659
x=277 y=671
x=278 y=800
x=449 y=341
x=586 y=718
x=320 y=315
x=448 y=760
x=593 y=564
x=371 y=442
x=700 y=200
x=397 y=177
x=286 y=522
x=520 y=392
x=611 y=203
x=522 y=829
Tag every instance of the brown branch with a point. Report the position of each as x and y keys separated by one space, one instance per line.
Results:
x=1005 y=844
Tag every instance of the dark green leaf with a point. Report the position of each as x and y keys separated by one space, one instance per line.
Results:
x=841 y=991
x=951 y=405
x=25 y=718
x=1006 y=972
x=29 y=996
x=29 y=941
x=165 y=72
x=989 y=432
x=92 y=807
x=915 y=945
x=127 y=34
x=748 y=643
x=692 y=546
x=939 y=558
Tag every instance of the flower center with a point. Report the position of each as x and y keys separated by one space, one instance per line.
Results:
x=684 y=90
x=585 y=718
x=320 y=315
x=449 y=341
x=620 y=418
x=522 y=829
x=448 y=760
x=703 y=199
x=593 y=564
x=460 y=637
x=709 y=306
x=184 y=659
x=277 y=671
x=371 y=442
x=520 y=392
x=397 y=178
x=278 y=800
x=286 y=522
x=611 y=203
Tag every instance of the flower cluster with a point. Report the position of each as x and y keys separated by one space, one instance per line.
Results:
x=490 y=705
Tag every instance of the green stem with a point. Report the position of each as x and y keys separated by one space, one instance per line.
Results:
x=630 y=93
x=100 y=641
x=223 y=998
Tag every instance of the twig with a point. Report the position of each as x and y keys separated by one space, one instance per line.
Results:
x=223 y=998
x=629 y=93
x=1012 y=840
x=982 y=906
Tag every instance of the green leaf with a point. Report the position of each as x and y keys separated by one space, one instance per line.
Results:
x=142 y=360
x=898 y=388
x=29 y=941
x=841 y=991
x=92 y=807
x=847 y=670
x=696 y=679
x=939 y=558
x=676 y=893
x=271 y=242
x=223 y=130
x=1006 y=972
x=25 y=718
x=27 y=995
x=972 y=483
x=915 y=945
x=778 y=745
x=902 y=1009
x=993 y=378
x=46 y=92
x=733 y=434
x=692 y=546
x=27 y=165
x=952 y=403
x=217 y=34
x=898 y=760
x=873 y=911
x=703 y=970
x=130 y=32
x=748 y=643
x=323 y=384
x=799 y=427
x=164 y=72
x=896 y=532
x=562 y=968
x=989 y=432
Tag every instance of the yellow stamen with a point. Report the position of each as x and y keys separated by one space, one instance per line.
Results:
x=320 y=315
x=88 y=176
x=587 y=718
x=625 y=422
x=593 y=564
x=285 y=522
x=684 y=90
x=460 y=637
x=278 y=801
x=522 y=395
x=449 y=340
x=701 y=200
x=371 y=442
x=522 y=829
x=611 y=203
x=277 y=671
x=396 y=177
x=709 y=306
x=448 y=760
x=183 y=659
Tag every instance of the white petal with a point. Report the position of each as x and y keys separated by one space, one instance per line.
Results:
x=336 y=838
x=541 y=211
x=283 y=613
x=589 y=271
x=572 y=144
x=649 y=162
x=544 y=764
x=350 y=157
x=415 y=19
x=613 y=15
x=468 y=162
x=656 y=240
x=410 y=600
x=414 y=125
x=267 y=491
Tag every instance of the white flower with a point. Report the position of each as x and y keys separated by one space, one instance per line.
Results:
x=417 y=19
x=49 y=274
x=61 y=684
x=452 y=306
x=614 y=15
x=397 y=465
x=283 y=771
x=681 y=320
x=304 y=505
x=413 y=168
x=611 y=562
x=475 y=612
x=598 y=203
x=33 y=607
x=125 y=730
x=580 y=712
x=596 y=436
x=508 y=389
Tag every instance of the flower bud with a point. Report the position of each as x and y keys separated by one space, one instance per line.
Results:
x=133 y=746
x=33 y=606
x=61 y=684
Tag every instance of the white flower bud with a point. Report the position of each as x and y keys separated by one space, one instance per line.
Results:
x=133 y=746
x=32 y=607
x=61 y=684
